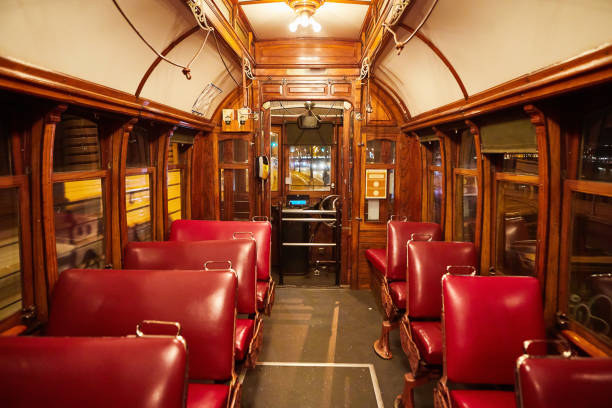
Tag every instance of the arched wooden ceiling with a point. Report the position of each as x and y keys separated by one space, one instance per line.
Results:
x=90 y=40
x=487 y=43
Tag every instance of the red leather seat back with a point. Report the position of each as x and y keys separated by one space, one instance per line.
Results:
x=92 y=372
x=107 y=302
x=201 y=230
x=193 y=255
x=563 y=383
x=400 y=232
x=427 y=262
x=485 y=321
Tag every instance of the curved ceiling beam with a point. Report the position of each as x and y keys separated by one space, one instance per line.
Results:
x=440 y=55
x=384 y=87
x=165 y=52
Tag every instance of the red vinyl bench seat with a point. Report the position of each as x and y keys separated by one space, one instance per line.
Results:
x=398 y=293
x=428 y=338
x=482 y=399
x=378 y=259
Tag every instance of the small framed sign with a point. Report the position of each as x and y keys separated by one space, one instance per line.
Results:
x=376 y=184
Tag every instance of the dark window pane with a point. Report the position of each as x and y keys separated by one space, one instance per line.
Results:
x=10 y=268
x=79 y=224
x=274 y=161
x=517 y=227
x=138 y=207
x=234 y=151
x=176 y=153
x=380 y=151
x=138 y=148
x=76 y=146
x=174 y=195
x=590 y=294
x=520 y=163
x=310 y=168
x=467 y=151
x=465 y=208
x=436 y=154
x=435 y=196
x=6 y=168
x=596 y=154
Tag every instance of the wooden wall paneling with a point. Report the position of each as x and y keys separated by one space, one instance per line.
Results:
x=163 y=145
x=309 y=54
x=425 y=181
x=52 y=118
x=447 y=147
x=488 y=192
x=356 y=210
x=187 y=185
x=266 y=121
x=197 y=178
x=409 y=168
x=480 y=185
x=106 y=164
x=345 y=177
x=539 y=120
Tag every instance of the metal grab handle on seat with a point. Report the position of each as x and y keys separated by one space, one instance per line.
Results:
x=566 y=350
x=461 y=270
x=140 y=333
x=206 y=268
x=401 y=218
x=260 y=218
x=420 y=236
x=236 y=235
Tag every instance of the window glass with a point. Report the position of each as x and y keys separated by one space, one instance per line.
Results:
x=76 y=145
x=138 y=148
x=310 y=168
x=274 y=161
x=174 y=195
x=590 y=286
x=380 y=151
x=466 y=190
x=6 y=168
x=138 y=207
x=517 y=226
x=234 y=151
x=520 y=163
x=435 y=197
x=436 y=153
x=467 y=151
x=10 y=268
x=596 y=157
x=79 y=224
x=222 y=194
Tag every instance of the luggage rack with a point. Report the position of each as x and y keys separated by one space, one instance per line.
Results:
x=332 y=218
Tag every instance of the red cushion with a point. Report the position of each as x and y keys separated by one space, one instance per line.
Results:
x=262 y=293
x=378 y=259
x=427 y=262
x=398 y=234
x=97 y=372
x=193 y=255
x=482 y=399
x=398 y=294
x=486 y=320
x=107 y=302
x=428 y=338
x=201 y=230
x=244 y=334
x=555 y=382
x=207 y=395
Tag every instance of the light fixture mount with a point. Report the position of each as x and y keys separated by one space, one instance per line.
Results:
x=304 y=10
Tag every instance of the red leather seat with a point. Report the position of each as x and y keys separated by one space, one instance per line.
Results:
x=486 y=320
x=261 y=294
x=259 y=231
x=428 y=338
x=193 y=255
x=83 y=372
x=106 y=302
x=547 y=382
x=207 y=395
x=482 y=399
x=378 y=259
x=389 y=273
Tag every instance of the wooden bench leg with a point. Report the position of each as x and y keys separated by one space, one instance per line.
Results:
x=381 y=346
x=406 y=398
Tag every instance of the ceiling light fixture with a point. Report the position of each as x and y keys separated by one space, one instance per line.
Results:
x=304 y=10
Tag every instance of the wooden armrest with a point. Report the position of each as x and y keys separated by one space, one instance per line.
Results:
x=583 y=344
x=14 y=331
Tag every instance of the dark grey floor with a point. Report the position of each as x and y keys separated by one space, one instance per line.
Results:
x=325 y=326
x=323 y=276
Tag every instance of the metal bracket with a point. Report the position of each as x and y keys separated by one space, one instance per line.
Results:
x=206 y=268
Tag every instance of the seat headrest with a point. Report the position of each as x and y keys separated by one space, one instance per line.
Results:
x=400 y=232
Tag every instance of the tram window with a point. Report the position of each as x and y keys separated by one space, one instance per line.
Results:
x=520 y=163
x=79 y=224
x=466 y=191
x=517 y=227
x=233 y=151
x=596 y=157
x=380 y=151
x=467 y=151
x=310 y=168
x=6 y=168
x=590 y=262
x=235 y=206
x=435 y=180
x=274 y=140
x=76 y=146
x=179 y=151
x=174 y=195
x=10 y=271
x=138 y=148
x=138 y=207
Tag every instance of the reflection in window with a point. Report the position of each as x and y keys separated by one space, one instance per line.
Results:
x=436 y=153
x=520 y=163
x=138 y=207
x=138 y=148
x=467 y=151
x=10 y=267
x=380 y=152
x=590 y=298
x=174 y=195
x=76 y=146
x=234 y=151
x=435 y=197
x=517 y=226
x=310 y=168
x=79 y=224
x=273 y=161
x=596 y=155
x=6 y=169
x=466 y=190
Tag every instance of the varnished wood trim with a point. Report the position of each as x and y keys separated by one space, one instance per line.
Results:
x=394 y=96
x=584 y=344
x=588 y=69
x=480 y=183
x=165 y=52
x=589 y=187
x=78 y=175
x=14 y=331
x=517 y=178
x=360 y=2
x=440 y=55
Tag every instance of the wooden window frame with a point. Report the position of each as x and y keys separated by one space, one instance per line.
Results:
x=227 y=204
x=427 y=193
